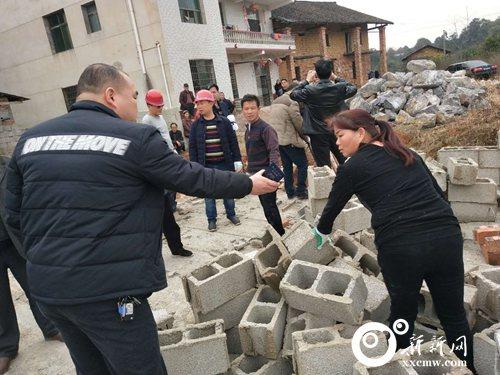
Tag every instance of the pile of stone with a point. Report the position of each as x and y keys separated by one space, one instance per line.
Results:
x=423 y=96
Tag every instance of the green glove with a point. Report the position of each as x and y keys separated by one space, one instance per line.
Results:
x=320 y=238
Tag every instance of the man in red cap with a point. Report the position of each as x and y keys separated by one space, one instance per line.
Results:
x=213 y=144
x=171 y=230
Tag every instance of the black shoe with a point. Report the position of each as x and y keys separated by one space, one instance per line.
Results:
x=235 y=220
x=182 y=252
x=303 y=196
x=290 y=196
x=212 y=226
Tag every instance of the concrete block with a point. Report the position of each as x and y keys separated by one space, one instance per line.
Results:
x=467 y=212
x=320 y=180
x=163 y=319
x=336 y=294
x=263 y=324
x=353 y=218
x=233 y=341
x=270 y=235
x=471 y=152
x=489 y=157
x=426 y=333
x=324 y=351
x=491 y=173
x=367 y=239
x=301 y=245
x=259 y=365
x=198 y=349
x=272 y=263
x=488 y=292
x=378 y=302
x=462 y=171
x=486 y=353
x=230 y=312
x=219 y=281
x=317 y=205
x=438 y=173
x=359 y=254
x=427 y=313
x=394 y=367
x=484 y=190
x=483 y=321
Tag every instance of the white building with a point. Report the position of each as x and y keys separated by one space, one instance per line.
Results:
x=160 y=43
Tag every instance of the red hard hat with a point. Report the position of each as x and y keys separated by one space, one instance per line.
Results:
x=204 y=95
x=154 y=97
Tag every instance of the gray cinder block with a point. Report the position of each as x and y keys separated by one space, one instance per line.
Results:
x=353 y=218
x=366 y=259
x=324 y=351
x=320 y=180
x=219 y=281
x=230 y=312
x=467 y=212
x=301 y=245
x=488 y=292
x=336 y=294
x=438 y=173
x=272 y=263
x=244 y=365
x=489 y=157
x=484 y=190
x=198 y=349
x=262 y=326
x=462 y=171
x=486 y=352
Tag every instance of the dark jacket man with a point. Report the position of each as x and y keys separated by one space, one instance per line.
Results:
x=88 y=184
x=228 y=139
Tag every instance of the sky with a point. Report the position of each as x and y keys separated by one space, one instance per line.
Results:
x=422 y=18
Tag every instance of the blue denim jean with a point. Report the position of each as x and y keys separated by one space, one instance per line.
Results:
x=210 y=205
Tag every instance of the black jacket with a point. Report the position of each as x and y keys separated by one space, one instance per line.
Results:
x=228 y=140
x=86 y=192
x=321 y=100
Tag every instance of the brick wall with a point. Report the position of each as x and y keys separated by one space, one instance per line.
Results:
x=9 y=135
x=425 y=53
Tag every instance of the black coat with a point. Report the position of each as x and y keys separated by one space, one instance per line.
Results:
x=228 y=140
x=321 y=100
x=85 y=190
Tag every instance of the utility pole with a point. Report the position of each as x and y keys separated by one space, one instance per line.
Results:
x=445 y=34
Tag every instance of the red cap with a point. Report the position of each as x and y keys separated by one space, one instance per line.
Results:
x=154 y=97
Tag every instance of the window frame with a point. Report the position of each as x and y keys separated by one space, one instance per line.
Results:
x=202 y=83
x=62 y=27
x=69 y=96
x=86 y=17
x=197 y=14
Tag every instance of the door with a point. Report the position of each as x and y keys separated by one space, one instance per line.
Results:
x=264 y=89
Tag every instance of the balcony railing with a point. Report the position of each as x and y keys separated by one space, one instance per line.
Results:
x=254 y=37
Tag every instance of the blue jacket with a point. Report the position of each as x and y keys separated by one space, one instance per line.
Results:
x=227 y=137
x=85 y=193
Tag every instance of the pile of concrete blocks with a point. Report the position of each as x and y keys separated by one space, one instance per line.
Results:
x=438 y=172
x=488 y=239
x=487 y=351
x=472 y=198
x=320 y=180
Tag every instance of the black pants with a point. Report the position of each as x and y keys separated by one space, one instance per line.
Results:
x=9 y=331
x=189 y=107
x=438 y=261
x=171 y=229
x=321 y=145
x=271 y=211
x=100 y=343
x=291 y=155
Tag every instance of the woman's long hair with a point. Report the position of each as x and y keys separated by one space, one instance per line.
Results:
x=379 y=130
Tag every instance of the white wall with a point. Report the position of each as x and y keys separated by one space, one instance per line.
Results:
x=274 y=72
x=245 y=78
x=188 y=41
x=233 y=13
x=30 y=69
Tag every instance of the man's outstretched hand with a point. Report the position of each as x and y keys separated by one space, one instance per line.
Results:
x=262 y=185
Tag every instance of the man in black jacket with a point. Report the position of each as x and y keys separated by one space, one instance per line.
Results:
x=322 y=100
x=85 y=192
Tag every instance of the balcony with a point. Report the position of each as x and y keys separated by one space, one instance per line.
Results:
x=248 y=40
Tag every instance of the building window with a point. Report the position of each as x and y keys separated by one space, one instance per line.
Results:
x=190 y=11
x=202 y=73
x=253 y=18
x=69 y=94
x=233 y=81
x=327 y=39
x=348 y=44
x=297 y=72
x=91 y=17
x=58 y=31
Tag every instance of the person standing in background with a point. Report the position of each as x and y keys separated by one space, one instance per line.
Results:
x=186 y=100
